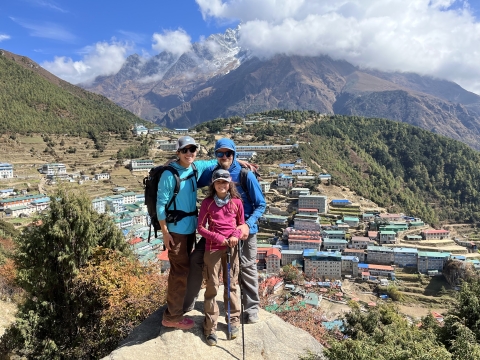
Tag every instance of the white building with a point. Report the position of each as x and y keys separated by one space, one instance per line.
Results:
x=265 y=185
x=141 y=165
x=296 y=192
x=6 y=171
x=54 y=169
x=284 y=181
x=102 y=176
x=99 y=205
x=323 y=264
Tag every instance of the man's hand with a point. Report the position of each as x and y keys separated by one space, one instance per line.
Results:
x=232 y=241
x=245 y=231
x=252 y=167
x=168 y=240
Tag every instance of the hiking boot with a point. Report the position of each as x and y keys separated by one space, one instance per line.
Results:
x=185 y=324
x=234 y=332
x=253 y=319
x=211 y=339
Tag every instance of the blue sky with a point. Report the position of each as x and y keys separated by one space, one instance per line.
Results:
x=79 y=40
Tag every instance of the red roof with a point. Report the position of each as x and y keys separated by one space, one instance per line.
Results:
x=134 y=241
x=163 y=256
x=436 y=231
x=365 y=273
x=274 y=251
x=360 y=238
x=308 y=210
x=380 y=267
x=372 y=234
x=353 y=250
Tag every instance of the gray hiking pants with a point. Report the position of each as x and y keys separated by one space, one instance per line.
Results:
x=249 y=280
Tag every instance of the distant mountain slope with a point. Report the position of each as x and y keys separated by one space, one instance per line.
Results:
x=219 y=79
x=34 y=100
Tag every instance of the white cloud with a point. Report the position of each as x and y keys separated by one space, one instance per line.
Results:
x=101 y=59
x=4 y=37
x=434 y=37
x=177 y=42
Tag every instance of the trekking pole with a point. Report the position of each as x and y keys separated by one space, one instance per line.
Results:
x=242 y=308
x=228 y=292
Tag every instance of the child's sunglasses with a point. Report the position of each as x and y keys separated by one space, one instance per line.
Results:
x=219 y=154
x=192 y=149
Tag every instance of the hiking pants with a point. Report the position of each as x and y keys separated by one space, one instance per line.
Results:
x=195 y=275
x=248 y=261
x=251 y=299
x=177 y=278
x=214 y=262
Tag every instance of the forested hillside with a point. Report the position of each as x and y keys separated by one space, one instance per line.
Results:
x=31 y=103
x=396 y=165
x=399 y=166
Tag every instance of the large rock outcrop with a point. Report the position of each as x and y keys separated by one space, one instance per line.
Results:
x=271 y=338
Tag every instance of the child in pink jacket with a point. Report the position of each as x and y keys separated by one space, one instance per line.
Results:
x=222 y=209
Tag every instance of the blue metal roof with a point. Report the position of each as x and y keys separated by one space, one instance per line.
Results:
x=362 y=266
x=341 y=201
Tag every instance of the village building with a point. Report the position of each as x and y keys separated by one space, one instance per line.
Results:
x=128 y=197
x=359 y=253
x=387 y=237
x=307 y=212
x=168 y=146
x=269 y=259
x=277 y=219
x=54 y=169
x=390 y=217
x=297 y=172
x=164 y=261
x=289 y=256
x=265 y=186
x=102 y=176
x=340 y=202
x=139 y=130
x=6 y=193
x=334 y=244
x=284 y=181
x=6 y=171
x=307 y=222
x=296 y=192
x=431 y=261
x=318 y=202
x=376 y=270
x=301 y=242
x=246 y=155
x=405 y=257
x=348 y=262
x=325 y=177
x=380 y=255
x=18 y=201
x=99 y=205
x=181 y=131
x=323 y=264
x=372 y=235
x=266 y=147
x=334 y=234
x=361 y=242
x=435 y=234
x=287 y=166
x=351 y=221
x=141 y=165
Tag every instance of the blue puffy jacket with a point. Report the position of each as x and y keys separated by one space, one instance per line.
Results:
x=254 y=205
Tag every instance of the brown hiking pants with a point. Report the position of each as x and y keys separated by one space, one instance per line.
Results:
x=214 y=261
x=177 y=278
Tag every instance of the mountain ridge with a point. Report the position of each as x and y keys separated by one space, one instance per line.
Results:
x=218 y=78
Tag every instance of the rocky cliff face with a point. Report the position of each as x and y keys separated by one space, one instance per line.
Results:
x=218 y=78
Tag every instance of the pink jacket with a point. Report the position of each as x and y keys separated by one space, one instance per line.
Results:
x=222 y=222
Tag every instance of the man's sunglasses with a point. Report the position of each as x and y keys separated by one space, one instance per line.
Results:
x=192 y=149
x=220 y=154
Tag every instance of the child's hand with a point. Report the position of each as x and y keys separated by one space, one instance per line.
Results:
x=233 y=241
x=225 y=243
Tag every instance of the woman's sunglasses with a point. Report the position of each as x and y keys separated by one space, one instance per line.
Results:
x=220 y=154
x=192 y=149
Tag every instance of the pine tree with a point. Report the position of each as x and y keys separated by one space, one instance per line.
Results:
x=50 y=255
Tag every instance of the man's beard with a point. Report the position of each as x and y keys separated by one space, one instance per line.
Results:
x=225 y=165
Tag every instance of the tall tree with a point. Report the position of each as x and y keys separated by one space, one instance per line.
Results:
x=50 y=255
